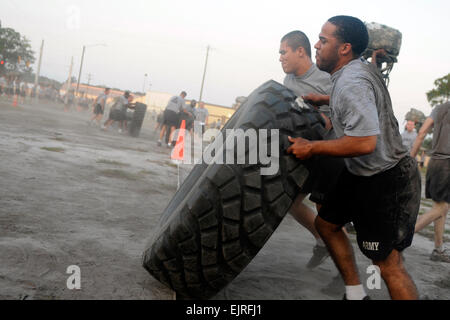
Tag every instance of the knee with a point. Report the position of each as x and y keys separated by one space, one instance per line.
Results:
x=392 y=266
x=325 y=228
x=444 y=208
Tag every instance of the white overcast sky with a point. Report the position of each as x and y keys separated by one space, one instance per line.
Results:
x=167 y=40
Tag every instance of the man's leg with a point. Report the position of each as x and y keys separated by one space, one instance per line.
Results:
x=171 y=135
x=108 y=123
x=397 y=279
x=98 y=118
x=161 y=133
x=439 y=227
x=304 y=214
x=340 y=250
x=438 y=210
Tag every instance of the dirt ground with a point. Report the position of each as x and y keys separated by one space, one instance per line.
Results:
x=71 y=194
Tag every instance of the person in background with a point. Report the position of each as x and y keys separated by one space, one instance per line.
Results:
x=437 y=185
x=172 y=118
x=99 y=106
x=118 y=112
x=409 y=135
x=201 y=116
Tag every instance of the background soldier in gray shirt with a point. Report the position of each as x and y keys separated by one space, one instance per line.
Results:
x=172 y=118
x=201 y=116
x=379 y=190
x=99 y=106
x=409 y=135
x=438 y=177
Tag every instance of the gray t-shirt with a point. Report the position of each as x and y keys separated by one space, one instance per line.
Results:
x=441 y=132
x=313 y=81
x=176 y=104
x=201 y=114
x=121 y=104
x=361 y=106
x=101 y=99
x=408 y=139
x=189 y=109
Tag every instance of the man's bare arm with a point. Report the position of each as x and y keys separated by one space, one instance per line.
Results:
x=346 y=146
x=426 y=127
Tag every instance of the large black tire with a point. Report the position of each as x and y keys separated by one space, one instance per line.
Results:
x=222 y=215
x=138 y=119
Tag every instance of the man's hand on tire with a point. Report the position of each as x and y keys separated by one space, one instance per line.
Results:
x=317 y=100
x=300 y=147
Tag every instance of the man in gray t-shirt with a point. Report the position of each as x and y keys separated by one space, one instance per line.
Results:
x=409 y=135
x=303 y=78
x=354 y=113
x=171 y=118
x=176 y=104
x=379 y=190
x=201 y=113
x=437 y=185
x=118 y=112
x=201 y=116
x=99 y=106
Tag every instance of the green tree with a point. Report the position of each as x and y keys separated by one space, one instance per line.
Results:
x=441 y=92
x=16 y=52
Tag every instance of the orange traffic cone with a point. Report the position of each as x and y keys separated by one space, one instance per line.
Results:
x=178 y=150
x=15 y=101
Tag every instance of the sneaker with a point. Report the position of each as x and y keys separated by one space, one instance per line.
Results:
x=169 y=145
x=334 y=287
x=320 y=254
x=350 y=227
x=441 y=256
x=159 y=143
x=365 y=298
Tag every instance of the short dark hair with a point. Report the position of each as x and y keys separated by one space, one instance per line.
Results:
x=183 y=93
x=126 y=94
x=297 y=39
x=107 y=89
x=351 y=30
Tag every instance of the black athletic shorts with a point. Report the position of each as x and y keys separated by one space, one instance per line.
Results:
x=437 y=185
x=98 y=109
x=116 y=115
x=382 y=207
x=171 y=118
x=324 y=174
x=189 y=121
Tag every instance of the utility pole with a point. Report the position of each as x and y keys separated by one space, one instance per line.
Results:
x=89 y=82
x=69 y=83
x=204 y=73
x=81 y=67
x=38 y=71
x=143 y=86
